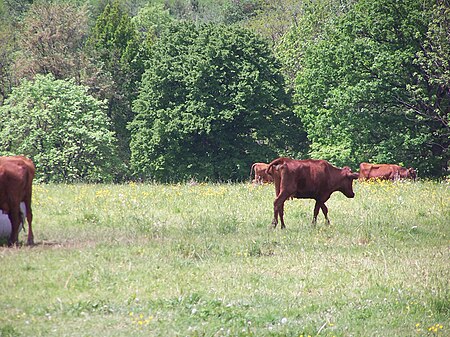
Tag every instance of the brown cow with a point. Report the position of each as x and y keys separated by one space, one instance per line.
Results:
x=308 y=179
x=385 y=172
x=16 y=180
x=261 y=176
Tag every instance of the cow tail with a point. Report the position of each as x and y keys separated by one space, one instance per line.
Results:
x=252 y=169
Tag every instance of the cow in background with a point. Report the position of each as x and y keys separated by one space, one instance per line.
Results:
x=261 y=176
x=308 y=179
x=385 y=172
x=16 y=180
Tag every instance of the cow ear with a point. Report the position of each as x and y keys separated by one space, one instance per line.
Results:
x=350 y=174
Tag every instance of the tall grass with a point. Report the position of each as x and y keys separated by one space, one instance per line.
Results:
x=201 y=260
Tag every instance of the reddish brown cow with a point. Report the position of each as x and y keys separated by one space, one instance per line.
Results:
x=16 y=180
x=385 y=172
x=308 y=179
x=261 y=176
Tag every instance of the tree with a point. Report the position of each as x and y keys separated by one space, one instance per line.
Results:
x=14 y=9
x=235 y=11
x=51 y=41
x=151 y=20
x=63 y=129
x=11 y=12
x=430 y=94
x=114 y=42
x=7 y=36
x=300 y=28
x=275 y=17
x=352 y=88
x=212 y=101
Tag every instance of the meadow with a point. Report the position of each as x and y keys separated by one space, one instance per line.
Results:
x=202 y=260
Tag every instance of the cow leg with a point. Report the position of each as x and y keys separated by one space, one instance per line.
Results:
x=281 y=214
x=14 y=218
x=316 y=211
x=325 y=212
x=30 y=240
x=275 y=216
x=29 y=212
x=278 y=209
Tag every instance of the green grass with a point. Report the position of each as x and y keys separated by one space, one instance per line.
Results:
x=182 y=260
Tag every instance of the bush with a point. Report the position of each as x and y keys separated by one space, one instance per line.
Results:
x=62 y=128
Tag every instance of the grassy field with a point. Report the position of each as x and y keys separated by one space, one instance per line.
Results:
x=201 y=260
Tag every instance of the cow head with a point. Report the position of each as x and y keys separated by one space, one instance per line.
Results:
x=412 y=173
x=346 y=182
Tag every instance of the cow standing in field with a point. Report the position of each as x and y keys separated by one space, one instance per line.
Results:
x=308 y=179
x=16 y=180
x=385 y=172
x=261 y=176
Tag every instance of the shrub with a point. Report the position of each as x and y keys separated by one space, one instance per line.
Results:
x=62 y=128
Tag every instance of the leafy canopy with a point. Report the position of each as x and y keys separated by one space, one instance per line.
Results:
x=355 y=88
x=62 y=128
x=212 y=101
x=114 y=43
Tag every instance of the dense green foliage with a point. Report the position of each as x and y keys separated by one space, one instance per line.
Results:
x=361 y=91
x=62 y=128
x=151 y=20
x=368 y=80
x=310 y=27
x=114 y=43
x=212 y=102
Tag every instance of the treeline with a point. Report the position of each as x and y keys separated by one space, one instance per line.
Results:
x=173 y=90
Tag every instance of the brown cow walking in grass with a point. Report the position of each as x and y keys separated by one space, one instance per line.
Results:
x=308 y=179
